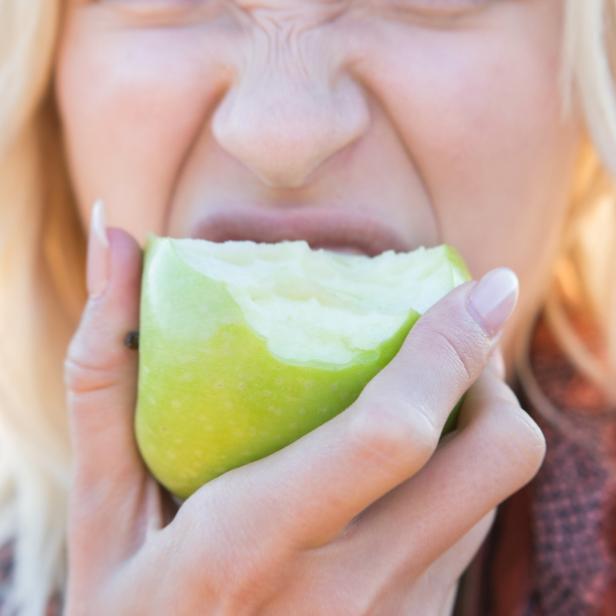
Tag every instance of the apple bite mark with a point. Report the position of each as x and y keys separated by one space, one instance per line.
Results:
x=246 y=347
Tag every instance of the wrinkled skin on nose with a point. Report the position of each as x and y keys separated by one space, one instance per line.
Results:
x=294 y=99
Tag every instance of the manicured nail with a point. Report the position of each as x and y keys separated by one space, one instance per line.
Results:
x=493 y=299
x=98 y=252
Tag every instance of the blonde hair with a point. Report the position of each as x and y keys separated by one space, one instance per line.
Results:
x=42 y=252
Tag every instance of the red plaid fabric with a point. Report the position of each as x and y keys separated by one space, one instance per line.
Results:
x=573 y=564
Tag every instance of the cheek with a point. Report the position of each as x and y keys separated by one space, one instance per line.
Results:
x=480 y=115
x=131 y=106
x=499 y=157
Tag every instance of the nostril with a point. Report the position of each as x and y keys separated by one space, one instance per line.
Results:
x=283 y=132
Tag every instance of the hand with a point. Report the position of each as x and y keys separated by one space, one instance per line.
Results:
x=367 y=514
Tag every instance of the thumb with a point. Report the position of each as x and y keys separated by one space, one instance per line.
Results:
x=110 y=484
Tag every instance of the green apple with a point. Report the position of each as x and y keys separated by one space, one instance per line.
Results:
x=246 y=347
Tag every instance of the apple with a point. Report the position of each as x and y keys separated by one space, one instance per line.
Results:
x=245 y=347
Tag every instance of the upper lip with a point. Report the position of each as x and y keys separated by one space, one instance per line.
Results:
x=320 y=228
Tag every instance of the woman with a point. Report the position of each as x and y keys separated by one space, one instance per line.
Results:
x=486 y=124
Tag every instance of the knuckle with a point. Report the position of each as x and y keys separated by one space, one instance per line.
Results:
x=394 y=435
x=456 y=351
x=232 y=586
x=518 y=441
x=534 y=439
x=244 y=585
x=249 y=583
x=227 y=563
x=80 y=378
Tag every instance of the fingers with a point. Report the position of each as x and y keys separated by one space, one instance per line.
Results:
x=315 y=486
x=100 y=376
x=425 y=592
x=496 y=451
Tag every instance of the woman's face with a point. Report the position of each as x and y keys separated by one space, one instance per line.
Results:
x=356 y=124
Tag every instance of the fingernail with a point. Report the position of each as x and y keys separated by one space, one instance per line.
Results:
x=98 y=252
x=493 y=299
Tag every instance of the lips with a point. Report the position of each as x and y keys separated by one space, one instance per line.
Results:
x=342 y=231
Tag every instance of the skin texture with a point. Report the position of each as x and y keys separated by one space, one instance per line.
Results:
x=440 y=118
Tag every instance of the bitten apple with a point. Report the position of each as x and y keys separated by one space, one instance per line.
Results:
x=246 y=347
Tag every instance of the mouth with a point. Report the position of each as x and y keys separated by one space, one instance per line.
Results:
x=336 y=230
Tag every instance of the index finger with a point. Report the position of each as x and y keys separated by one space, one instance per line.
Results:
x=310 y=490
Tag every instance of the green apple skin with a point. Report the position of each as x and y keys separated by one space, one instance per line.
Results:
x=211 y=396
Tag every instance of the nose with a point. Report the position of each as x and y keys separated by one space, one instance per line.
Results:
x=287 y=114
